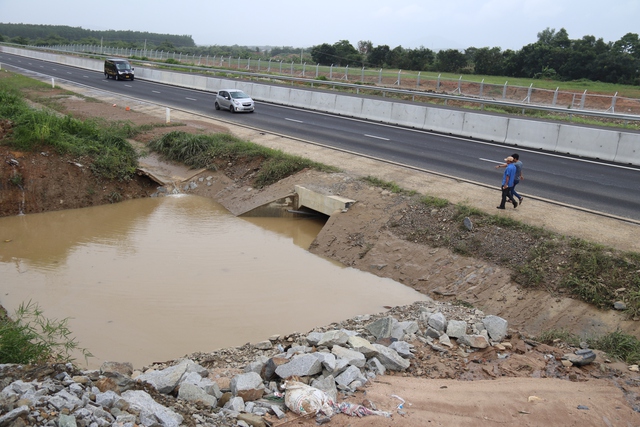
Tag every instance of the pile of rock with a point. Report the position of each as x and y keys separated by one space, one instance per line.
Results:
x=332 y=360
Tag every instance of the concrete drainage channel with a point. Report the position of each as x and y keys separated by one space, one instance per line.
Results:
x=303 y=202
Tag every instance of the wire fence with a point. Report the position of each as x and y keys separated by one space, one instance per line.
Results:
x=387 y=78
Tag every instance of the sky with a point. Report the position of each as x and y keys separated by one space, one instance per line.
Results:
x=433 y=24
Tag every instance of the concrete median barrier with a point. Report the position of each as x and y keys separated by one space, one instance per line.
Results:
x=587 y=142
x=486 y=127
x=536 y=135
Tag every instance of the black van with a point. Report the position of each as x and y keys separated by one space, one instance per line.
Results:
x=119 y=69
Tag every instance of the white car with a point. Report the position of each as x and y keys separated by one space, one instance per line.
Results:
x=234 y=100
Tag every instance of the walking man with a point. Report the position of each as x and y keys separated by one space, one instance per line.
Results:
x=508 y=180
x=518 y=178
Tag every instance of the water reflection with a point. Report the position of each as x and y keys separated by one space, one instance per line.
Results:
x=155 y=279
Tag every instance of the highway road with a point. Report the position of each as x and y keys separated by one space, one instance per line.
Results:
x=612 y=189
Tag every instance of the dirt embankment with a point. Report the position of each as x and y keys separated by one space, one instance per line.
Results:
x=371 y=236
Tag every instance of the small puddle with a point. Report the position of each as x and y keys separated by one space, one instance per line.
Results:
x=156 y=279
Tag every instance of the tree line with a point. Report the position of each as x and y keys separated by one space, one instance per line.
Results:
x=553 y=56
x=51 y=35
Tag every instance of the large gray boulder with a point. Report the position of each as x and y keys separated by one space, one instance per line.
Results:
x=390 y=358
x=302 y=365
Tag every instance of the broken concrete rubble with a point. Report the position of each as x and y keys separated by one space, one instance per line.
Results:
x=348 y=359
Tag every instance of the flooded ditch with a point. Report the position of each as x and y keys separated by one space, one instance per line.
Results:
x=158 y=278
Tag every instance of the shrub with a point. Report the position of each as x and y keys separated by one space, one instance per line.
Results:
x=32 y=338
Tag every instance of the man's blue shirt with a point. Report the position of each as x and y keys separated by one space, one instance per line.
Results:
x=509 y=175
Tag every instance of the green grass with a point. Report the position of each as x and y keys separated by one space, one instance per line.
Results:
x=596 y=273
x=207 y=151
x=104 y=143
x=552 y=336
x=33 y=338
x=387 y=185
x=434 y=202
x=617 y=345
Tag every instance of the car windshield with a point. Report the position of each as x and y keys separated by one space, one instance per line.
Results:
x=238 y=95
x=123 y=66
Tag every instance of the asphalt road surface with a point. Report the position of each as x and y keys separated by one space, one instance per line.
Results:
x=613 y=189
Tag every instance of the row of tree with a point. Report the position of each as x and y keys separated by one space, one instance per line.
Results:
x=52 y=35
x=554 y=55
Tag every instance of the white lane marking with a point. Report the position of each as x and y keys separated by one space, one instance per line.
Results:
x=156 y=91
x=377 y=137
x=128 y=86
x=191 y=99
x=490 y=161
x=293 y=120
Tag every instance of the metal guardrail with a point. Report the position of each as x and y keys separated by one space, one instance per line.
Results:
x=427 y=90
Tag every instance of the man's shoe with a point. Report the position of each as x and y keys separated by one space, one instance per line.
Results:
x=521 y=199
x=515 y=204
x=499 y=207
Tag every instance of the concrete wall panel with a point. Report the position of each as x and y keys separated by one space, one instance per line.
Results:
x=376 y=110
x=295 y=98
x=326 y=102
x=481 y=126
x=349 y=106
x=260 y=92
x=408 y=115
x=537 y=135
x=443 y=120
x=629 y=149
x=587 y=142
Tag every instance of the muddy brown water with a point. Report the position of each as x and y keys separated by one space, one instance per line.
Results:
x=159 y=278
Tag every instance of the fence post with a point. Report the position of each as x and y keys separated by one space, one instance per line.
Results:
x=292 y=68
x=331 y=72
x=380 y=77
x=269 y=66
x=249 y=64
x=438 y=84
x=584 y=95
x=398 y=81
x=238 y=62
x=459 y=88
x=317 y=69
x=304 y=68
x=482 y=89
x=418 y=81
x=555 y=96
x=362 y=75
x=346 y=73
x=281 y=66
x=528 y=98
x=613 y=103
x=259 y=64
x=504 y=90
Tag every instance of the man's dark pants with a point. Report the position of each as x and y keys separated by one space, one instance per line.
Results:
x=506 y=193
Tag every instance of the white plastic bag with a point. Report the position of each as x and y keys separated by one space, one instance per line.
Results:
x=306 y=400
